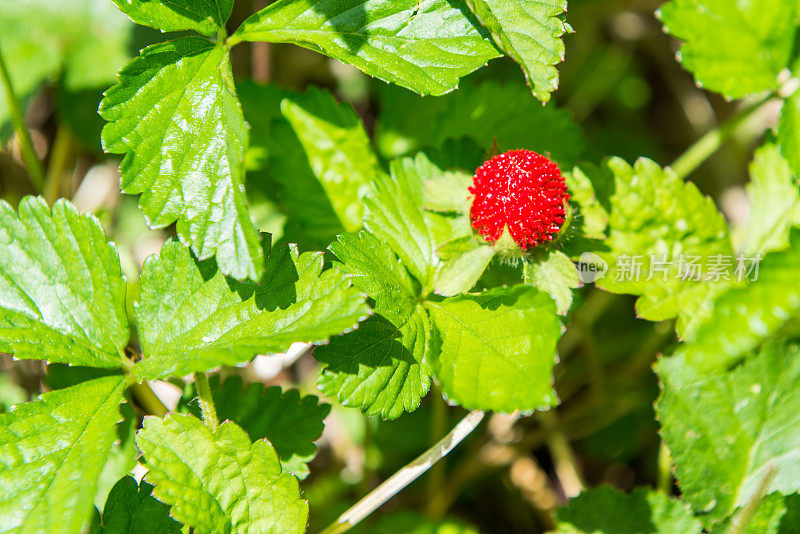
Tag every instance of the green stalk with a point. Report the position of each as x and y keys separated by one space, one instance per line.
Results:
x=29 y=156
x=148 y=400
x=206 y=401
x=699 y=152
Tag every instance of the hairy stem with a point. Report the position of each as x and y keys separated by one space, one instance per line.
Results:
x=29 y=156
x=405 y=476
x=699 y=152
x=206 y=401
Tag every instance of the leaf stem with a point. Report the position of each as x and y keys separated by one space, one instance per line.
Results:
x=701 y=150
x=148 y=400
x=405 y=476
x=29 y=156
x=206 y=401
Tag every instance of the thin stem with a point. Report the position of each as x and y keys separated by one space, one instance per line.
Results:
x=405 y=476
x=741 y=520
x=699 y=152
x=438 y=425
x=29 y=156
x=563 y=456
x=148 y=400
x=664 y=469
x=61 y=158
x=207 y=407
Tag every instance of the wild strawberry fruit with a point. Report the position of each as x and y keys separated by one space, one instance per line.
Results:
x=519 y=201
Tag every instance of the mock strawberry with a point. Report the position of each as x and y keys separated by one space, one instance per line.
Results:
x=519 y=200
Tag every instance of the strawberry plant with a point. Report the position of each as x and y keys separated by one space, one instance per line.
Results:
x=262 y=273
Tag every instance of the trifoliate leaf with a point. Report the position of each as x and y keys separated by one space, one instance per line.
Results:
x=604 y=510
x=130 y=508
x=219 y=482
x=383 y=366
x=190 y=319
x=774 y=202
x=498 y=349
x=747 y=314
x=176 y=118
x=291 y=422
x=51 y=452
x=529 y=32
x=733 y=48
x=555 y=274
x=338 y=150
x=424 y=46
x=789 y=132
x=485 y=112
x=62 y=296
x=666 y=239
x=395 y=215
x=727 y=431
x=203 y=16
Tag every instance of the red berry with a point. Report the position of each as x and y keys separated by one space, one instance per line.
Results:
x=521 y=191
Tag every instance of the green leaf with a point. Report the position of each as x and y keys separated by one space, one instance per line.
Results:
x=176 y=118
x=733 y=48
x=774 y=202
x=191 y=319
x=51 y=452
x=498 y=349
x=424 y=46
x=203 y=16
x=291 y=422
x=608 y=511
x=555 y=274
x=789 y=132
x=338 y=150
x=671 y=231
x=746 y=315
x=589 y=189
x=394 y=214
x=383 y=366
x=130 y=508
x=121 y=458
x=62 y=296
x=727 y=430
x=461 y=272
x=529 y=32
x=219 y=482
x=485 y=112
